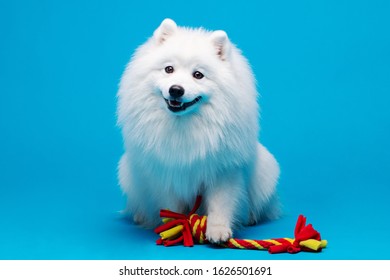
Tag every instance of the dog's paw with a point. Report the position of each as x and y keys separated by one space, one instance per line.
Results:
x=217 y=232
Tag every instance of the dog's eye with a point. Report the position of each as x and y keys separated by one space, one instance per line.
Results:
x=197 y=75
x=169 y=69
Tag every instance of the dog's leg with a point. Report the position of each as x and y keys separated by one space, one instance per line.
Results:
x=141 y=206
x=263 y=199
x=145 y=199
x=222 y=201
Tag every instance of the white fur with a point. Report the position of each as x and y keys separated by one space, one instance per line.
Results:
x=210 y=149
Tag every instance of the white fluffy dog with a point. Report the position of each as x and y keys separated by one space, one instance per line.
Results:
x=187 y=106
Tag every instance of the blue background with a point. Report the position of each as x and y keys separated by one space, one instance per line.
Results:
x=323 y=69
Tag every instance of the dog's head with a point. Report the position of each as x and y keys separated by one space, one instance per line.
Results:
x=182 y=71
x=187 y=67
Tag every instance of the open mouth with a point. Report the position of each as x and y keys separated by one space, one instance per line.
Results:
x=177 y=106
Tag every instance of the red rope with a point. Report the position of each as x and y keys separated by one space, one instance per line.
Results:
x=191 y=229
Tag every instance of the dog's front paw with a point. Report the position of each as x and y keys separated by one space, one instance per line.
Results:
x=217 y=231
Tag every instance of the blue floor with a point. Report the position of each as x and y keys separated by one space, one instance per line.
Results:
x=323 y=69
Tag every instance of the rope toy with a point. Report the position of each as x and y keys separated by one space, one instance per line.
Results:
x=191 y=228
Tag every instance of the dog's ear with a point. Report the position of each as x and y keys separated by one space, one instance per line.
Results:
x=221 y=43
x=166 y=29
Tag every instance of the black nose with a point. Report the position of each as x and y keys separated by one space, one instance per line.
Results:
x=176 y=91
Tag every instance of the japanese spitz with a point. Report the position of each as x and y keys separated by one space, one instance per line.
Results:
x=187 y=107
